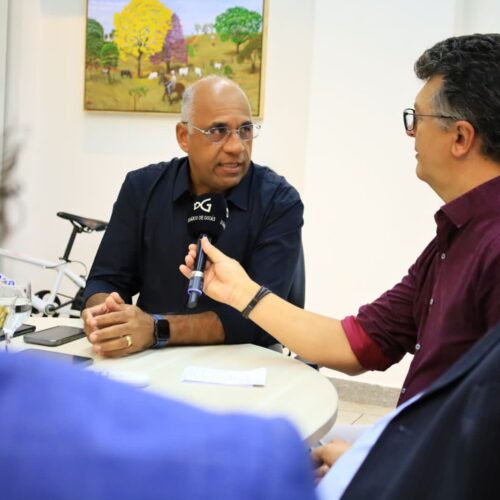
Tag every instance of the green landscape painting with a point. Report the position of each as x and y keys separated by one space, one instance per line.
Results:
x=142 y=54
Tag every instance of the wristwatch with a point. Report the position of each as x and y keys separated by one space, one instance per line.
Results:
x=161 y=331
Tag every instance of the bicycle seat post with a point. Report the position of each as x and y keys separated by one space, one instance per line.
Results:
x=71 y=240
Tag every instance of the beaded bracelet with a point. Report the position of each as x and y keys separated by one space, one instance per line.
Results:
x=263 y=291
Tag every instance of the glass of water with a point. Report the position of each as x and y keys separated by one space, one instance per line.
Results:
x=15 y=308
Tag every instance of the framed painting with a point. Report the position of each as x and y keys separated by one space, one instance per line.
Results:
x=142 y=54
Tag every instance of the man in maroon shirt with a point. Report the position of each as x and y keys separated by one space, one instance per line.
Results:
x=451 y=295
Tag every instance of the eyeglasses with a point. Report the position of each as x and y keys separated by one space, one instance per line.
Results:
x=410 y=118
x=220 y=133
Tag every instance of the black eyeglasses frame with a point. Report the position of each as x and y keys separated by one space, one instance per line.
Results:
x=414 y=114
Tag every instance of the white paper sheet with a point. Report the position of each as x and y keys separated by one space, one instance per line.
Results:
x=255 y=377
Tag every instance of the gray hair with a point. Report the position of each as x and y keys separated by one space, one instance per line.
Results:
x=187 y=111
x=441 y=106
x=470 y=68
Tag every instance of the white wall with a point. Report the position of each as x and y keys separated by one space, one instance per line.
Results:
x=338 y=77
x=368 y=217
x=478 y=16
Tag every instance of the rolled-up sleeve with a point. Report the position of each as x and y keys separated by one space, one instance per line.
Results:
x=367 y=351
x=389 y=323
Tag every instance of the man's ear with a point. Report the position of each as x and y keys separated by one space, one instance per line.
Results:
x=182 y=133
x=465 y=138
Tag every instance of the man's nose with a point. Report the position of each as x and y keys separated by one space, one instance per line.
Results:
x=234 y=142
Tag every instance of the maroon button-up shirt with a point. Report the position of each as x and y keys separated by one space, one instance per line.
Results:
x=448 y=300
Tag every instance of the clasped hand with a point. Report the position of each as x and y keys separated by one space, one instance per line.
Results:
x=117 y=329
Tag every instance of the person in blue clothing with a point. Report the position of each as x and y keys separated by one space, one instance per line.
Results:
x=70 y=434
x=147 y=233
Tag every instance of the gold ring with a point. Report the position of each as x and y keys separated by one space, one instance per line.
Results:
x=129 y=340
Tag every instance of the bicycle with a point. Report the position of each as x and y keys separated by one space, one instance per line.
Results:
x=52 y=302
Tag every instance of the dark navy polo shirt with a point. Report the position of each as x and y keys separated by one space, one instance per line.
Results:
x=147 y=239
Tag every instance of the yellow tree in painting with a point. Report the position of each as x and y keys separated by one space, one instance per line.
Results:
x=140 y=29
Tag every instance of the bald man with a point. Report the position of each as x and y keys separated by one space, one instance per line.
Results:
x=147 y=234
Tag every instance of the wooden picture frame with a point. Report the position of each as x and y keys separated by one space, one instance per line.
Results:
x=142 y=54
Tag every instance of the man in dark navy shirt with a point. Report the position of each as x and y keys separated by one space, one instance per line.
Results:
x=147 y=234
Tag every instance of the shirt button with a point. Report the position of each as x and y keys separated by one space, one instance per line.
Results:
x=431 y=302
x=417 y=347
x=443 y=256
x=403 y=390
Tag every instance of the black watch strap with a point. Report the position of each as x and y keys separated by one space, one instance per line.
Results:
x=161 y=331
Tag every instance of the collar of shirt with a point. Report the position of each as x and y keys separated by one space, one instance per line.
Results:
x=480 y=201
x=238 y=196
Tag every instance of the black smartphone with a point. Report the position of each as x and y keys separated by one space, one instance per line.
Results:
x=20 y=331
x=72 y=359
x=57 y=335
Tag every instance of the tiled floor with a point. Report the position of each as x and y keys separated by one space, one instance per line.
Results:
x=359 y=413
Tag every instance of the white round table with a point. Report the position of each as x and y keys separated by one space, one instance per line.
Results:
x=293 y=389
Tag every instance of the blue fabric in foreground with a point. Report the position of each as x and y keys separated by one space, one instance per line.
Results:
x=67 y=433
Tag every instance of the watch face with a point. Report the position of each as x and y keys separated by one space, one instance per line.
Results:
x=163 y=329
